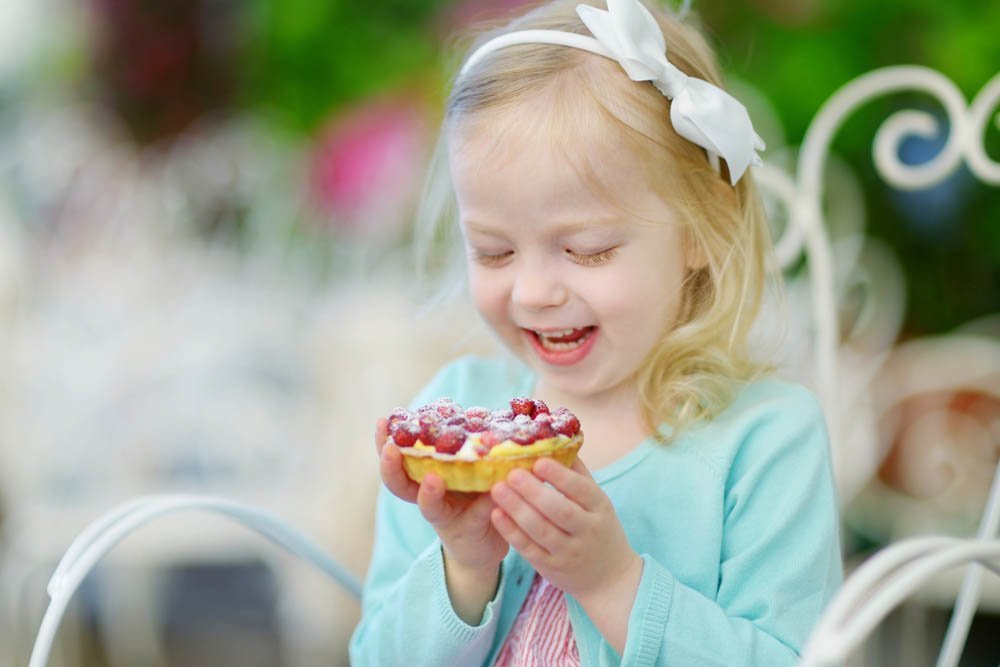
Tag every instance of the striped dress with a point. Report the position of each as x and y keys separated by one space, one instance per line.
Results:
x=541 y=635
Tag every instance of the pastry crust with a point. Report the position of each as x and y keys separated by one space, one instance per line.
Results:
x=481 y=474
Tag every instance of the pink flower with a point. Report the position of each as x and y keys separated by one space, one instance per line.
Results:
x=941 y=440
x=938 y=401
x=469 y=12
x=367 y=161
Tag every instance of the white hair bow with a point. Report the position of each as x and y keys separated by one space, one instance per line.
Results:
x=700 y=112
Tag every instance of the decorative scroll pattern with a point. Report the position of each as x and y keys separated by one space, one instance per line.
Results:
x=907 y=376
x=802 y=195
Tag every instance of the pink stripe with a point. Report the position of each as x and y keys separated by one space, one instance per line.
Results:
x=541 y=635
x=561 y=627
x=548 y=649
x=540 y=626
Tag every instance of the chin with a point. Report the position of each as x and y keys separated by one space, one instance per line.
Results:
x=570 y=384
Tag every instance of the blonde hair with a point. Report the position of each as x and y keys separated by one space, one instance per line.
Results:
x=696 y=366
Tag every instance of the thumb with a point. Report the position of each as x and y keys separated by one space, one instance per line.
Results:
x=381 y=434
x=431 y=499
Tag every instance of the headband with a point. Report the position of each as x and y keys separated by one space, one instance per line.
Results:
x=627 y=32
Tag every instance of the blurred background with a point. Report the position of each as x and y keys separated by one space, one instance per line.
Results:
x=206 y=286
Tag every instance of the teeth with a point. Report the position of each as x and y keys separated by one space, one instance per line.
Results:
x=560 y=346
x=556 y=334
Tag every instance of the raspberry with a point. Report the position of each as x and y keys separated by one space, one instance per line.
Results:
x=475 y=425
x=430 y=427
x=522 y=419
x=398 y=415
x=446 y=407
x=502 y=415
x=429 y=418
x=450 y=440
x=405 y=433
x=458 y=420
x=543 y=418
x=498 y=432
x=540 y=407
x=568 y=425
x=524 y=434
x=502 y=428
x=477 y=413
x=490 y=439
x=543 y=429
x=522 y=406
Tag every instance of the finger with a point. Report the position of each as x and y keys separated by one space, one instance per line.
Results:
x=390 y=465
x=381 y=434
x=565 y=513
x=480 y=508
x=575 y=483
x=528 y=519
x=516 y=537
x=431 y=499
x=580 y=467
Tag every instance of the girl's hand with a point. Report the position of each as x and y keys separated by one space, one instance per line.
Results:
x=461 y=520
x=568 y=531
x=391 y=466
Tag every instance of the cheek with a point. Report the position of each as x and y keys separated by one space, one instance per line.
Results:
x=488 y=293
x=638 y=301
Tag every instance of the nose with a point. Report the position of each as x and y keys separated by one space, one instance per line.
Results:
x=538 y=286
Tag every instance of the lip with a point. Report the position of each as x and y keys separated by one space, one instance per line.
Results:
x=561 y=358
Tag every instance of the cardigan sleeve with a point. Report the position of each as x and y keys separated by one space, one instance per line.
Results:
x=406 y=613
x=780 y=560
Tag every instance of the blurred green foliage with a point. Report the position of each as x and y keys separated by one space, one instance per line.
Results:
x=303 y=56
x=798 y=62
x=799 y=53
x=297 y=62
x=306 y=57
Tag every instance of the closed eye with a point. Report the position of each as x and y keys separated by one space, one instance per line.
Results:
x=491 y=259
x=592 y=258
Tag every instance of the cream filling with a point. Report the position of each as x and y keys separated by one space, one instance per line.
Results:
x=506 y=448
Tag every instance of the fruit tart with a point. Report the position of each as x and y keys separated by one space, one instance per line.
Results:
x=472 y=449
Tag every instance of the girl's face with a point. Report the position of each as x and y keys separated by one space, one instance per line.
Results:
x=577 y=288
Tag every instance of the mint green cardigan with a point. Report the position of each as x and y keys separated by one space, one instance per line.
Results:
x=736 y=523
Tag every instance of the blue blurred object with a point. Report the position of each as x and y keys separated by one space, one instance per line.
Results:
x=933 y=214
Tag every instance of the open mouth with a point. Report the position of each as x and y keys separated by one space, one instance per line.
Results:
x=564 y=340
x=563 y=346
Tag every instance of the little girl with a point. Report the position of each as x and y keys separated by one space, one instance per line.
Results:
x=616 y=244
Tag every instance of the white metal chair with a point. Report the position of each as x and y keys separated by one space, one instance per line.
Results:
x=897 y=571
x=105 y=532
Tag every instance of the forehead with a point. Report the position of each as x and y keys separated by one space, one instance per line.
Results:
x=531 y=157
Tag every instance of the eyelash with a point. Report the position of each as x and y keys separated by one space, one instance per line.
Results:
x=492 y=260
x=584 y=259
x=592 y=259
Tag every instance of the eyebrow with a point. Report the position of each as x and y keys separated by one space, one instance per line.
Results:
x=564 y=227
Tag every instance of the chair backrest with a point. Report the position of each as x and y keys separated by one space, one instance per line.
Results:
x=845 y=361
x=864 y=378
x=106 y=531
